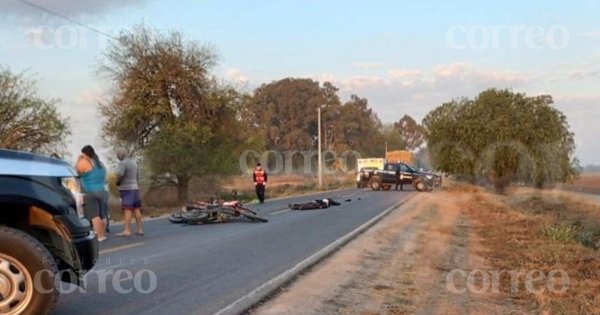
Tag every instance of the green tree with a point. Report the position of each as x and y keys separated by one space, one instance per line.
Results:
x=392 y=138
x=286 y=110
x=359 y=126
x=28 y=122
x=411 y=133
x=284 y=115
x=502 y=137
x=168 y=106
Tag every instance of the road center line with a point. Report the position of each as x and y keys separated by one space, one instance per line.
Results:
x=280 y=211
x=118 y=248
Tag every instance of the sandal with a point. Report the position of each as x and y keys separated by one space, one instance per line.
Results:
x=123 y=234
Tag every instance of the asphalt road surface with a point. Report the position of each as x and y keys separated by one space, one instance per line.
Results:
x=200 y=269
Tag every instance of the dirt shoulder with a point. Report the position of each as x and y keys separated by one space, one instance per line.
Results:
x=459 y=251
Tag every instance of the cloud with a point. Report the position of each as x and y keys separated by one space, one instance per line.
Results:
x=583 y=114
x=64 y=7
x=418 y=91
x=450 y=70
x=351 y=83
x=368 y=65
x=588 y=69
x=85 y=119
x=404 y=73
x=237 y=76
x=593 y=34
x=91 y=96
x=585 y=73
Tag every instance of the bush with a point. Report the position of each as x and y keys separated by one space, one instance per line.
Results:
x=562 y=233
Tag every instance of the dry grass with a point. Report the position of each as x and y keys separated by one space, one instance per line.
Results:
x=508 y=236
x=541 y=230
x=588 y=183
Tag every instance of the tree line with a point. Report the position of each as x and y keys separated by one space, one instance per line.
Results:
x=169 y=108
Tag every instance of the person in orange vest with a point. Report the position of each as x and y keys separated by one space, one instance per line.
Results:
x=260 y=182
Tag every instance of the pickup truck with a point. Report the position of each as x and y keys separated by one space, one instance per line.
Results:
x=363 y=176
x=421 y=181
x=43 y=238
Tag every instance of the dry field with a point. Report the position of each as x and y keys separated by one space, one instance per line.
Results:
x=462 y=250
x=588 y=183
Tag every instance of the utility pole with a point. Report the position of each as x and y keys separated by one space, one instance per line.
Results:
x=319 y=148
x=385 y=156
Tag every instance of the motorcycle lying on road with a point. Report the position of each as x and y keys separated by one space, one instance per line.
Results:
x=203 y=212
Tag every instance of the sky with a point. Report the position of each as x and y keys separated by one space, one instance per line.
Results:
x=405 y=57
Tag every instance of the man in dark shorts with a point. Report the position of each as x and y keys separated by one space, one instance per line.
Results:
x=131 y=203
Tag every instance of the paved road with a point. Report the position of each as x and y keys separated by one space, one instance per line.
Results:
x=181 y=269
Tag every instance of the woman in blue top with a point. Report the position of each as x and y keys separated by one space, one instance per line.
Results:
x=93 y=179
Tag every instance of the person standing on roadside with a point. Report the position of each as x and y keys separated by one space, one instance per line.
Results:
x=93 y=178
x=399 y=178
x=260 y=182
x=127 y=181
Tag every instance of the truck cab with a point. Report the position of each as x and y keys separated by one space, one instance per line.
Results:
x=43 y=238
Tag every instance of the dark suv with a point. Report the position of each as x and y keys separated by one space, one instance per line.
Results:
x=422 y=181
x=43 y=238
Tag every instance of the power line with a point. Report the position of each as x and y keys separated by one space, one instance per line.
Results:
x=46 y=10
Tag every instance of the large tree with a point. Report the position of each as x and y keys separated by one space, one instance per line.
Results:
x=359 y=128
x=168 y=106
x=27 y=121
x=503 y=137
x=412 y=134
x=284 y=114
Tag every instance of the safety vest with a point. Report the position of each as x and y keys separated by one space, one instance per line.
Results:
x=259 y=176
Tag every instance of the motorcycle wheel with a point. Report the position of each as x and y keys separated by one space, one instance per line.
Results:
x=195 y=217
x=252 y=215
x=176 y=217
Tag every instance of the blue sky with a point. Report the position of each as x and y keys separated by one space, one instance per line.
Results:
x=406 y=57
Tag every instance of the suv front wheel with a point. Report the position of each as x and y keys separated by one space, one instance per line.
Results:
x=27 y=273
x=420 y=185
x=375 y=183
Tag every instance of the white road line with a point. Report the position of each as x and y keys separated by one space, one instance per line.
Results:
x=118 y=248
x=280 y=211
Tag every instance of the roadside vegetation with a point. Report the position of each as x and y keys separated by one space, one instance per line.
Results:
x=463 y=250
x=27 y=121
x=502 y=137
x=542 y=230
x=588 y=183
x=186 y=125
